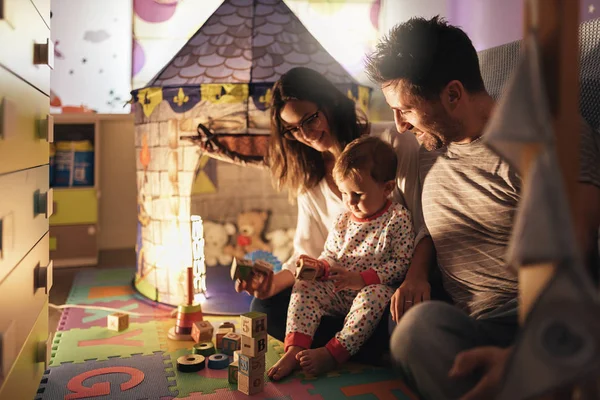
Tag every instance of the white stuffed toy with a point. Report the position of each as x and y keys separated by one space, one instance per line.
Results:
x=216 y=237
x=282 y=243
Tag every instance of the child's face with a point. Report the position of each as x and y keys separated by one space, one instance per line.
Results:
x=364 y=197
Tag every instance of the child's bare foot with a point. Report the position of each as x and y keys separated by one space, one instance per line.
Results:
x=316 y=361
x=286 y=365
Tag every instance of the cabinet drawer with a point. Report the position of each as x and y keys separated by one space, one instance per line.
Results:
x=20 y=226
x=74 y=206
x=23 y=125
x=21 y=383
x=78 y=243
x=22 y=28
x=22 y=298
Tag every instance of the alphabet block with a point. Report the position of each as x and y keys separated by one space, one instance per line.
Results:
x=202 y=331
x=233 y=373
x=254 y=346
x=241 y=269
x=251 y=384
x=253 y=324
x=308 y=268
x=118 y=322
x=221 y=332
x=251 y=365
x=230 y=343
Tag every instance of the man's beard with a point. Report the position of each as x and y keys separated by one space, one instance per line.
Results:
x=440 y=131
x=431 y=142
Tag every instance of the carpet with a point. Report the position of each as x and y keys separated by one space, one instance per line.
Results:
x=90 y=362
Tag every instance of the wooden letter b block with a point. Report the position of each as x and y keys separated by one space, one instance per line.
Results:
x=254 y=346
x=254 y=324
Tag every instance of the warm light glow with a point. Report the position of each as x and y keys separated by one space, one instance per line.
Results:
x=198 y=256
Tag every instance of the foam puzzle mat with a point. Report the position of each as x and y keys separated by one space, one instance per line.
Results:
x=90 y=362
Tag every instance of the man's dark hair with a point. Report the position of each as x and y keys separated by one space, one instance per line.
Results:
x=427 y=54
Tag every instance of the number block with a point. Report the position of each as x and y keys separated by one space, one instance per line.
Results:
x=254 y=346
x=251 y=365
x=118 y=322
x=230 y=343
x=254 y=324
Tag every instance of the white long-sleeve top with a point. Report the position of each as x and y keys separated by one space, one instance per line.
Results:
x=319 y=207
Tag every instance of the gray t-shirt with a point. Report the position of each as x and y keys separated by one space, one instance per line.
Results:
x=470 y=197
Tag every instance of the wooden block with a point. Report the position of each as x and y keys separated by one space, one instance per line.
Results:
x=253 y=323
x=202 y=331
x=251 y=384
x=254 y=346
x=251 y=365
x=241 y=269
x=308 y=268
x=228 y=324
x=261 y=277
x=230 y=343
x=236 y=354
x=233 y=373
x=118 y=321
x=221 y=332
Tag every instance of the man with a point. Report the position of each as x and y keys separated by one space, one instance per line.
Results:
x=429 y=74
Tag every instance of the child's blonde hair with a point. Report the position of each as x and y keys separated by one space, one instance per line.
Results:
x=367 y=154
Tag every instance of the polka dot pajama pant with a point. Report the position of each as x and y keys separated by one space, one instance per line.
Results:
x=311 y=300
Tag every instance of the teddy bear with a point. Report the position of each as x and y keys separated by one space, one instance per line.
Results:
x=282 y=243
x=251 y=225
x=216 y=238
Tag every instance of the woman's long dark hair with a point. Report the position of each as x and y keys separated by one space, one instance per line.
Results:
x=294 y=165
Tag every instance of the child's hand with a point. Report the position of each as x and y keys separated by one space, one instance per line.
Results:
x=344 y=279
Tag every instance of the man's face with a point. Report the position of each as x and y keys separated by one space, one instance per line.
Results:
x=427 y=119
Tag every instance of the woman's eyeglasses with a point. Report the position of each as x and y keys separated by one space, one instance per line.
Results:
x=310 y=124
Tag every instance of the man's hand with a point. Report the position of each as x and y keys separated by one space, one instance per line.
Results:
x=491 y=361
x=344 y=279
x=411 y=292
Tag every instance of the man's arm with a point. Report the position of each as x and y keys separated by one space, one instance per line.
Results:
x=415 y=288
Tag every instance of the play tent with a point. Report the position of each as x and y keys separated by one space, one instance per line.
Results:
x=212 y=98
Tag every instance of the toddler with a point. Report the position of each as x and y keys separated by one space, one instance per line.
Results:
x=366 y=256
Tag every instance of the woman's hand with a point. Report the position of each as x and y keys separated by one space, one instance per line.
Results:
x=262 y=291
x=275 y=284
x=344 y=279
x=491 y=361
x=412 y=291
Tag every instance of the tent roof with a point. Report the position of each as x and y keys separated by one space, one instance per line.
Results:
x=248 y=41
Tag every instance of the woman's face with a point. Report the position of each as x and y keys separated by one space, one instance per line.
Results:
x=303 y=121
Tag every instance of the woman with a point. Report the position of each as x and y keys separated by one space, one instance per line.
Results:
x=311 y=123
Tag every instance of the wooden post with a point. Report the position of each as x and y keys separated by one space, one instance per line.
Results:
x=557 y=26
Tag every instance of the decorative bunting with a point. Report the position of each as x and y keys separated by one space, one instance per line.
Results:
x=149 y=98
x=261 y=94
x=223 y=93
x=206 y=177
x=182 y=99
